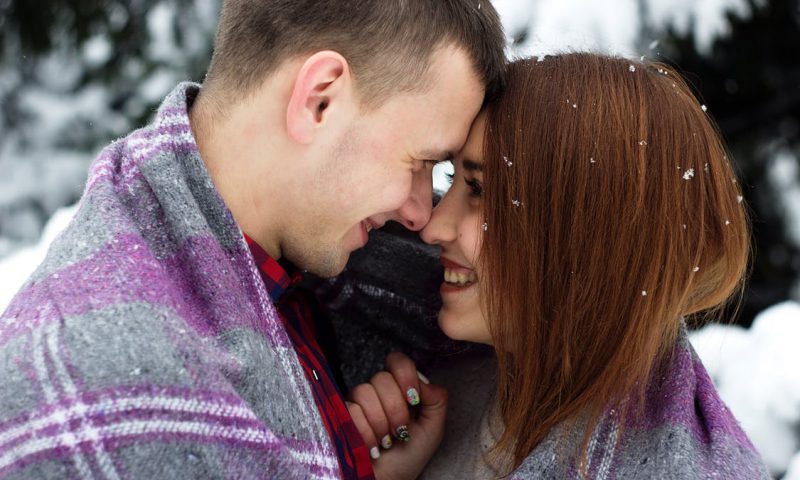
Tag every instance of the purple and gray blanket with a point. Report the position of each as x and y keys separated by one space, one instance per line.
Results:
x=145 y=346
x=684 y=432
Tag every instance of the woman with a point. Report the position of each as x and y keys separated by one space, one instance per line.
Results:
x=592 y=210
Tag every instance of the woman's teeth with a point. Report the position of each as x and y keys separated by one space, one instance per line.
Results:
x=459 y=277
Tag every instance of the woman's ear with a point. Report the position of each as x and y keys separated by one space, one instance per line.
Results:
x=322 y=82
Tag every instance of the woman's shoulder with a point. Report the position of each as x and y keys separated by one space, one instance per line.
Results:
x=682 y=431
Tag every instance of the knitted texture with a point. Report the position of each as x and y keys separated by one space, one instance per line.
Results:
x=145 y=345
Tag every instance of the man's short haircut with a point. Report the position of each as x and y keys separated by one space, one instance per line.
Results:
x=387 y=43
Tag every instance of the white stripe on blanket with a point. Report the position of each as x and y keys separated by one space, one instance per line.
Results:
x=134 y=428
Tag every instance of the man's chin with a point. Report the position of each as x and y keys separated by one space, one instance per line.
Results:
x=325 y=266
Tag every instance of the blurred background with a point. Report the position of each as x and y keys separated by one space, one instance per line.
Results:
x=76 y=75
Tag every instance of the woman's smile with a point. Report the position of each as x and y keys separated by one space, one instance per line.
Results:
x=457 y=277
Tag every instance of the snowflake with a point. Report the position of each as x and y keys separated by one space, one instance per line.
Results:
x=688 y=174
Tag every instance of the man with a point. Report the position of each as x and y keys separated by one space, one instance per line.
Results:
x=147 y=344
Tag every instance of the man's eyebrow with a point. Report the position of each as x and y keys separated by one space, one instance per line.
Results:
x=438 y=155
x=471 y=165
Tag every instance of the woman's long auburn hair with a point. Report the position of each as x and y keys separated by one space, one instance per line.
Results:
x=613 y=212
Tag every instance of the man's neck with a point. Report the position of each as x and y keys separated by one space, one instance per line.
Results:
x=236 y=175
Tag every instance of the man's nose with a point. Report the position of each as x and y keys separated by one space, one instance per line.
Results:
x=415 y=212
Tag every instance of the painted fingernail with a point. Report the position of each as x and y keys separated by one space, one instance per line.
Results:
x=412 y=396
x=374 y=453
x=386 y=442
x=423 y=378
x=402 y=433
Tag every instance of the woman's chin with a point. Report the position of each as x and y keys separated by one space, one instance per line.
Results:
x=469 y=327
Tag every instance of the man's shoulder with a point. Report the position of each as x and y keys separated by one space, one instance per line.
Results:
x=94 y=349
x=132 y=386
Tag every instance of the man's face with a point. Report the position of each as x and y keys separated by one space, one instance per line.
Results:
x=379 y=169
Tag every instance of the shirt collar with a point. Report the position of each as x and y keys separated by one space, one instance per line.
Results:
x=279 y=276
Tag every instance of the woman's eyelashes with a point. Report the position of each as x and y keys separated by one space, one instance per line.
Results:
x=475 y=187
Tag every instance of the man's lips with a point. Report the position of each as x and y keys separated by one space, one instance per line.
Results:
x=367 y=226
x=373 y=225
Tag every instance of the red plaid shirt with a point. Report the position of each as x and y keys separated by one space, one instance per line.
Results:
x=295 y=313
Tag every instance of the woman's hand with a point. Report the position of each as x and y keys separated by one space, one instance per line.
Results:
x=401 y=418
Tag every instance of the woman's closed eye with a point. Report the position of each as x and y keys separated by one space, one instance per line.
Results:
x=475 y=187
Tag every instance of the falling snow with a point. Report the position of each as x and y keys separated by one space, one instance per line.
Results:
x=688 y=174
x=631 y=68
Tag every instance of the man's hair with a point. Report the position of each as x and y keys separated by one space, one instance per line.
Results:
x=620 y=215
x=387 y=43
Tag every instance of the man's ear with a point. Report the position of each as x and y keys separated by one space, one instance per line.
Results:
x=322 y=80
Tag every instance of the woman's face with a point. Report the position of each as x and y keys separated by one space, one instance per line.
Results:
x=457 y=226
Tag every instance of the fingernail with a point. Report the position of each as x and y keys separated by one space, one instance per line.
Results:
x=374 y=453
x=402 y=433
x=423 y=378
x=412 y=396
x=386 y=442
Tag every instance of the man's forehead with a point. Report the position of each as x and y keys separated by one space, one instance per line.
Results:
x=444 y=141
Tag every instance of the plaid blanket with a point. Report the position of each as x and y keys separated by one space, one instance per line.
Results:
x=145 y=345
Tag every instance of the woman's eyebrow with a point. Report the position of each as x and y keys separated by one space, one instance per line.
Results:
x=471 y=165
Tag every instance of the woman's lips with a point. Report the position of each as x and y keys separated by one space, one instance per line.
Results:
x=457 y=276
